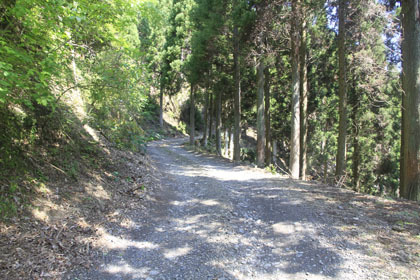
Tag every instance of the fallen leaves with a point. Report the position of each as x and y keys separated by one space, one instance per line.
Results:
x=63 y=234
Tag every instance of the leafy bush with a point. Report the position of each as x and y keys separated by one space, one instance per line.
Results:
x=248 y=154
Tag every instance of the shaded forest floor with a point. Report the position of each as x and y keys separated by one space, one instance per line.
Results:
x=177 y=214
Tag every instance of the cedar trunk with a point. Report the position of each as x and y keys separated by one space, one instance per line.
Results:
x=260 y=114
x=267 y=117
x=295 y=130
x=237 y=97
x=211 y=112
x=226 y=153
x=192 y=114
x=274 y=152
x=342 y=92
x=161 y=105
x=206 y=115
x=410 y=149
x=219 y=123
x=303 y=102
x=356 y=133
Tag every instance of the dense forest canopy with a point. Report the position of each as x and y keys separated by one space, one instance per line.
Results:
x=331 y=87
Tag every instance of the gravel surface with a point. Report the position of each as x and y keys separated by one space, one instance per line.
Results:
x=213 y=219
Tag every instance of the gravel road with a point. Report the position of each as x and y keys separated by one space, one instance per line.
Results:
x=213 y=219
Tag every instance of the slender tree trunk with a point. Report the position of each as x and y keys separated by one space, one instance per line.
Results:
x=226 y=142
x=274 y=151
x=161 y=105
x=410 y=156
x=207 y=104
x=231 y=143
x=211 y=111
x=303 y=101
x=237 y=97
x=260 y=113
x=295 y=127
x=206 y=116
x=356 y=145
x=326 y=170
x=219 y=123
x=192 y=115
x=324 y=158
x=267 y=117
x=342 y=91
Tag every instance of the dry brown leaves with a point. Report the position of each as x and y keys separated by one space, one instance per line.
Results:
x=63 y=238
x=388 y=229
x=32 y=250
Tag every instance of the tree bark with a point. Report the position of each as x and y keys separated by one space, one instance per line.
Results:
x=354 y=100
x=410 y=136
x=226 y=148
x=274 y=151
x=295 y=126
x=206 y=117
x=219 y=123
x=260 y=113
x=211 y=112
x=342 y=92
x=324 y=158
x=303 y=101
x=192 y=115
x=161 y=105
x=231 y=143
x=267 y=117
x=356 y=145
x=237 y=97
x=206 y=110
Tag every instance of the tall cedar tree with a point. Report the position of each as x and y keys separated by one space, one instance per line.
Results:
x=192 y=115
x=342 y=91
x=236 y=96
x=303 y=98
x=410 y=140
x=260 y=112
x=267 y=117
x=295 y=126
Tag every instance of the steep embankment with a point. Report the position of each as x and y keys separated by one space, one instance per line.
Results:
x=64 y=208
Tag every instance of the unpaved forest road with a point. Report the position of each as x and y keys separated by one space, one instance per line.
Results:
x=213 y=219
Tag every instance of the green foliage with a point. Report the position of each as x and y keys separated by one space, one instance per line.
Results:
x=9 y=200
x=112 y=56
x=57 y=57
x=121 y=124
x=272 y=169
x=248 y=154
x=7 y=207
x=185 y=115
x=374 y=111
x=175 y=49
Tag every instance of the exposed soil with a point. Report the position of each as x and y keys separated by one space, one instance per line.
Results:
x=213 y=219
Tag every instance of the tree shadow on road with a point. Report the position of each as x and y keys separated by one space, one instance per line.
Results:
x=232 y=228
